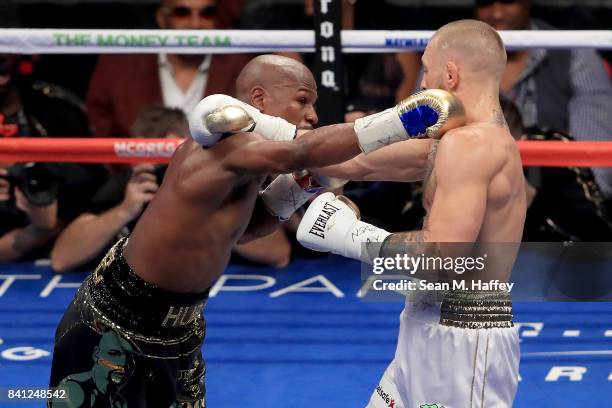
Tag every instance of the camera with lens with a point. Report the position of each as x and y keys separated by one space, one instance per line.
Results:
x=39 y=182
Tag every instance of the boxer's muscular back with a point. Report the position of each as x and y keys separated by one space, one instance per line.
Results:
x=506 y=198
x=183 y=240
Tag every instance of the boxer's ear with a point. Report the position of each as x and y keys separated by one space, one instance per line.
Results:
x=451 y=76
x=257 y=97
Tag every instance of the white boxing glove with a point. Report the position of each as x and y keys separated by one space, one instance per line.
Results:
x=288 y=192
x=219 y=114
x=284 y=196
x=331 y=224
x=429 y=113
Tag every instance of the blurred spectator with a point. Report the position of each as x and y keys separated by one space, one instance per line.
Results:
x=123 y=84
x=564 y=90
x=564 y=203
x=117 y=205
x=229 y=13
x=383 y=79
x=36 y=200
x=38 y=108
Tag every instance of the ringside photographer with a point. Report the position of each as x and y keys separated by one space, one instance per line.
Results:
x=37 y=200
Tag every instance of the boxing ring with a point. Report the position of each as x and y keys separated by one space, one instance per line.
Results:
x=301 y=336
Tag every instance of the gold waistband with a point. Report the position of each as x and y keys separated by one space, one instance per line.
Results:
x=476 y=309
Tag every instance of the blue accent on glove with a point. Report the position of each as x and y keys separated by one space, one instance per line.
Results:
x=417 y=120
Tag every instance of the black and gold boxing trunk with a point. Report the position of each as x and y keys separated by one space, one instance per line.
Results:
x=476 y=309
x=126 y=343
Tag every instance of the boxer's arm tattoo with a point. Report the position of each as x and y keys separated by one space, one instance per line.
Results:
x=410 y=243
x=413 y=244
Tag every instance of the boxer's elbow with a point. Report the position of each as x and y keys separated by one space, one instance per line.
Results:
x=283 y=261
x=279 y=258
x=59 y=262
x=262 y=251
x=411 y=174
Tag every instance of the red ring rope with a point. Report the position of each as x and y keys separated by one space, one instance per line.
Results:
x=87 y=150
x=98 y=150
x=566 y=154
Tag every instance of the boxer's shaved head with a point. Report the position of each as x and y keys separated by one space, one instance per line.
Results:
x=469 y=49
x=269 y=71
x=279 y=86
x=474 y=43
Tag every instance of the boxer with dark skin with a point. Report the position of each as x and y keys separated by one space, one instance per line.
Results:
x=183 y=241
x=150 y=289
x=209 y=195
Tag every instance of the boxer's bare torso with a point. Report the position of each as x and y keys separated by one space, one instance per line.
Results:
x=183 y=240
x=473 y=188
x=500 y=172
x=480 y=158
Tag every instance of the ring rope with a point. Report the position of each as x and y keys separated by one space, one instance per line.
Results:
x=132 y=150
x=78 y=41
x=87 y=150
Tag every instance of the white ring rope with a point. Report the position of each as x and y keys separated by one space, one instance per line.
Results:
x=75 y=41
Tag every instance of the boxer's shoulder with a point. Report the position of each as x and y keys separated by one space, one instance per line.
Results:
x=475 y=138
x=469 y=147
x=241 y=139
x=465 y=138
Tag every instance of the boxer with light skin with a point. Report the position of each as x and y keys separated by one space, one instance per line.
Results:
x=492 y=198
x=150 y=289
x=474 y=193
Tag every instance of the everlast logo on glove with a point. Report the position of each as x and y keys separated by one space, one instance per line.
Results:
x=318 y=228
